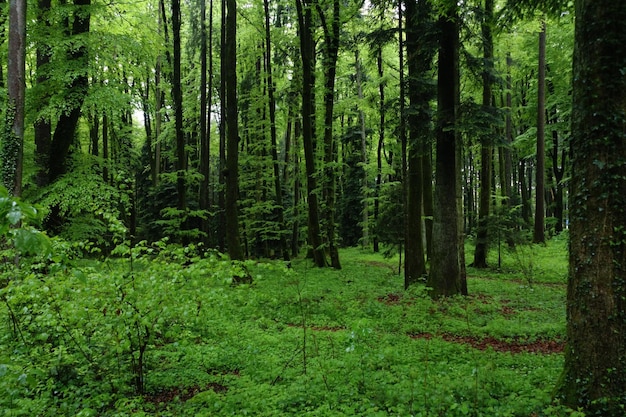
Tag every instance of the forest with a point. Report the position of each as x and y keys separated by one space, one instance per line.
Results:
x=313 y=207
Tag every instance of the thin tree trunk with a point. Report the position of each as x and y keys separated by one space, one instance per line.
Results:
x=331 y=36
x=365 y=212
x=177 y=99
x=538 y=231
x=381 y=143
x=486 y=159
x=273 y=141
x=205 y=148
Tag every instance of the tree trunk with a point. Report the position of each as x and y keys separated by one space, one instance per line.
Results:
x=308 y=115
x=77 y=90
x=12 y=151
x=445 y=273
x=278 y=190
x=486 y=159
x=538 y=231
x=420 y=51
x=177 y=99
x=365 y=239
x=594 y=376
x=381 y=142
x=221 y=198
x=232 y=135
x=331 y=41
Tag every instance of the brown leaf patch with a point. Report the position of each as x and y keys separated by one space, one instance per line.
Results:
x=514 y=345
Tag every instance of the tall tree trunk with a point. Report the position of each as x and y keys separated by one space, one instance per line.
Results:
x=221 y=198
x=381 y=142
x=486 y=159
x=205 y=148
x=232 y=135
x=308 y=110
x=420 y=51
x=594 y=376
x=278 y=190
x=77 y=90
x=427 y=197
x=177 y=99
x=538 y=230
x=331 y=37
x=365 y=238
x=445 y=273
x=12 y=151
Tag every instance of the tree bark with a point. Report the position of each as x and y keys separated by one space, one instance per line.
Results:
x=232 y=135
x=538 y=230
x=308 y=115
x=594 y=375
x=486 y=153
x=420 y=52
x=12 y=151
x=278 y=190
x=445 y=273
x=177 y=99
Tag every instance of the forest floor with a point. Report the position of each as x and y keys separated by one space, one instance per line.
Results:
x=168 y=334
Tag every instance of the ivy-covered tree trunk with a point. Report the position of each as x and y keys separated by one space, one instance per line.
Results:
x=420 y=52
x=445 y=272
x=486 y=151
x=308 y=115
x=594 y=376
x=12 y=150
x=77 y=90
x=538 y=230
x=232 y=135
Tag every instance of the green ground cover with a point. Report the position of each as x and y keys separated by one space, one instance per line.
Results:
x=167 y=333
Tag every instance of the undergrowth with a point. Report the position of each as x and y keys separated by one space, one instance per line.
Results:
x=164 y=330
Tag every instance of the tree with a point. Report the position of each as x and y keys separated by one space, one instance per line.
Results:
x=76 y=91
x=486 y=148
x=232 y=134
x=420 y=52
x=445 y=276
x=12 y=152
x=594 y=375
x=331 y=51
x=307 y=50
x=538 y=230
x=177 y=98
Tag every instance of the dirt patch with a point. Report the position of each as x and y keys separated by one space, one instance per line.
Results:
x=182 y=394
x=390 y=299
x=515 y=345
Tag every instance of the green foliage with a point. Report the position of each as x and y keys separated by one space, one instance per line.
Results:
x=17 y=221
x=81 y=206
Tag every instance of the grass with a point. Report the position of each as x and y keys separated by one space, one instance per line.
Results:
x=297 y=341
